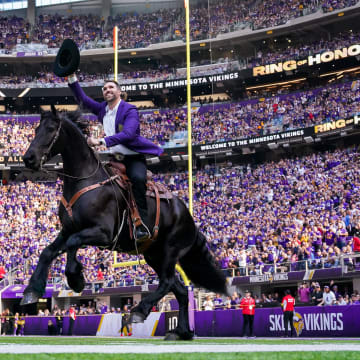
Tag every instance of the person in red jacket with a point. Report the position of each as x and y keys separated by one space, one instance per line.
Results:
x=247 y=305
x=2 y=272
x=356 y=244
x=288 y=304
x=72 y=318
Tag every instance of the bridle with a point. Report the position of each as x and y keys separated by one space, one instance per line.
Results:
x=47 y=152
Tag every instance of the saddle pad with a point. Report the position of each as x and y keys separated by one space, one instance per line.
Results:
x=119 y=169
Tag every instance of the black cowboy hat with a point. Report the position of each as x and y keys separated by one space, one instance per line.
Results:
x=67 y=59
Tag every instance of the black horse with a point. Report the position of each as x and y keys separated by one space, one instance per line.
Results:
x=96 y=220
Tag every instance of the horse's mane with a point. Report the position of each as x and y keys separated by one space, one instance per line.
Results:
x=75 y=117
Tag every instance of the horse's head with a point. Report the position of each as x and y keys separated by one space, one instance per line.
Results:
x=44 y=145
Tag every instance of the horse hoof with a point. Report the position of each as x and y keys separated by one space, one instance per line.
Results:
x=171 y=336
x=76 y=282
x=29 y=298
x=136 y=318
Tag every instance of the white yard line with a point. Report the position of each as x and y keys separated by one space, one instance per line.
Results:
x=181 y=348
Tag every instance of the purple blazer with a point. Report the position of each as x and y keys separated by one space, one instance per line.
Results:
x=127 y=123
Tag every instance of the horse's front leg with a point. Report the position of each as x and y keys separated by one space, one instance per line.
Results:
x=37 y=283
x=95 y=236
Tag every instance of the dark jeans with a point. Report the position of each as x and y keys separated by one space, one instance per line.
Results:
x=59 y=327
x=288 y=318
x=125 y=326
x=248 y=325
x=71 y=326
x=136 y=171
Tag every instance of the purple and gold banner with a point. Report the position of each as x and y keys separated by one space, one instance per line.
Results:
x=311 y=321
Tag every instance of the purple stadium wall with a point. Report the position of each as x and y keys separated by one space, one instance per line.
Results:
x=332 y=321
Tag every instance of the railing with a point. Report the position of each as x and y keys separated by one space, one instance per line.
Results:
x=9 y=279
x=100 y=286
x=348 y=263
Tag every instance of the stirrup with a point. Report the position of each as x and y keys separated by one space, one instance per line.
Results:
x=144 y=238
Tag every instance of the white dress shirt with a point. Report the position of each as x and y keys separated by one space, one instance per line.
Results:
x=109 y=129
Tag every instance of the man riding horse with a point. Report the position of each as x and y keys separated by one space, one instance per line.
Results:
x=122 y=128
x=91 y=207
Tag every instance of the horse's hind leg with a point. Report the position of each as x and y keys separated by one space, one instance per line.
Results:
x=37 y=283
x=183 y=329
x=166 y=281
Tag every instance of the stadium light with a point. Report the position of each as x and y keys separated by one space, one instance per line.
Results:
x=154 y=160
x=275 y=84
x=247 y=150
x=273 y=146
x=175 y=158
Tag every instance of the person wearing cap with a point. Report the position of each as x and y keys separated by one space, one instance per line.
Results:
x=247 y=305
x=287 y=305
x=340 y=301
x=355 y=300
x=328 y=297
x=122 y=128
x=317 y=294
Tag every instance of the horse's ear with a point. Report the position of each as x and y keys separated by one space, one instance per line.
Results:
x=53 y=109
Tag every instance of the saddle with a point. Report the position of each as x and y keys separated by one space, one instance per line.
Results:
x=157 y=191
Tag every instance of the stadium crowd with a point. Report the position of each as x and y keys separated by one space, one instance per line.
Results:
x=267 y=53
x=273 y=52
x=281 y=216
x=307 y=294
x=140 y=30
x=225 y=121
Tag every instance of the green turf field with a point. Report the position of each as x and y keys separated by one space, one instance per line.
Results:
x=346 y=355
x=149 y=343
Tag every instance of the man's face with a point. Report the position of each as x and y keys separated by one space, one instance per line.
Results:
x=111 y=92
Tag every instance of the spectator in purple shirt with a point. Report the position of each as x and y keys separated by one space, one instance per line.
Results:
x=304 y=293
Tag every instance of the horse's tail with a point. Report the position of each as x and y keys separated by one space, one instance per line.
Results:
x=199 y=266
